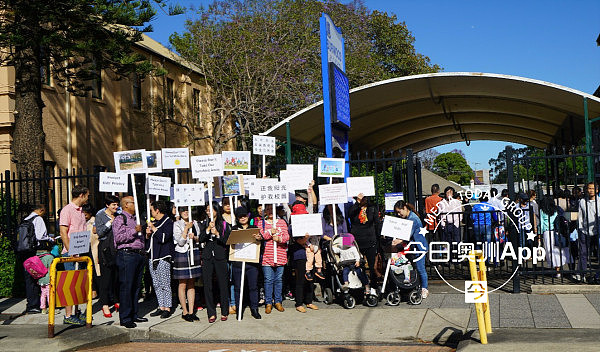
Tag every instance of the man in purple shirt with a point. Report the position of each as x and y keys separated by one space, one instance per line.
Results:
x=130 y=261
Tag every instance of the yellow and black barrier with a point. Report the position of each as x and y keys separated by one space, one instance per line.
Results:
x=482 y=309
x=69 y=288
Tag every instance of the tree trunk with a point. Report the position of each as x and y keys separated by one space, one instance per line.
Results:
x=28 y=134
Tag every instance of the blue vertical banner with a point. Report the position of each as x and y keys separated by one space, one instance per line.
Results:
x=336 y=97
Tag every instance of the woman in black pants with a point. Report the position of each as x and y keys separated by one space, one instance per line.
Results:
x=297 y=250
x=252 y=269
x=364 y=220
x=214 y=235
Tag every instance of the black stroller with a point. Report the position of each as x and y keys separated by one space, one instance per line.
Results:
x=396 y=274
x=334 y=288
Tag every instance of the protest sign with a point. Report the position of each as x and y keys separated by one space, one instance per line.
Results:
x=274 y=193
x=391 y=199
x=303 y=224
x=397 y=228
x=331 y=167
x=113 y=182
x=130 y=161
x=231 y=186
x=364 y=185
x=295 y=180
x=189 y=194
x=248 y=181
x=154 y=161
x=236 y=160
x=333 y=193
x=79 y=242
x=160 y=186
x=175 y=158
x=255 y=188
x=263 y=145
x=206 y=166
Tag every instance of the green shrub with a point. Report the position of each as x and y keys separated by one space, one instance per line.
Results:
x=8 y=264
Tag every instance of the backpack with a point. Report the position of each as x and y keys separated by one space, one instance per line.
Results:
x=561 y=230
x=35 y=267
x=26 y=240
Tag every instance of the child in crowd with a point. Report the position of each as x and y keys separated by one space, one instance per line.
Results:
x=44 y=281
x=313 y=249
x=350 y=261
x=400 y=262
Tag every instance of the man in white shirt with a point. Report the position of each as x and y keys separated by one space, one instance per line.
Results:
x=32 y=290
x=41 y=232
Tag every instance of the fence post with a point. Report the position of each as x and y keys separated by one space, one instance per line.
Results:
x=7 y=206
x=510 y=183
x=410 y=177
x=420 y=206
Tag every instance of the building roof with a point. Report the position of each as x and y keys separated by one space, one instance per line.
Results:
x=428 y=110
x=157 y=48
x=429 y=178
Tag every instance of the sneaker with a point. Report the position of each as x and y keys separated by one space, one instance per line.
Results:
x=308 y=276
x=73 y=320
x=424 y=293
x=165 y=314
x=45 y=311
x=345 y=286
x=320 y=275
x=406 y=280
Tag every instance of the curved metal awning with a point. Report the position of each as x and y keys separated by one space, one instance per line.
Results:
x=425 y=111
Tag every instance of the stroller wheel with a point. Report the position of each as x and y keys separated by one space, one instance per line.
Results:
x=415 y=297
x=371 y=300
x=328 y=296
x=349 y=302
x=393 y=298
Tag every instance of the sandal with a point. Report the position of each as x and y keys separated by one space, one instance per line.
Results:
x=212 y=319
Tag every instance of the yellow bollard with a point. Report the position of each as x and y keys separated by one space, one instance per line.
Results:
x=74 y=300
x=484 y=321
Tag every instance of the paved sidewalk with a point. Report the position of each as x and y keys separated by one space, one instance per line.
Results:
x=443 y=319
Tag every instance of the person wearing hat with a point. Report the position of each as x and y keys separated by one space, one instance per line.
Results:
x=242 y=222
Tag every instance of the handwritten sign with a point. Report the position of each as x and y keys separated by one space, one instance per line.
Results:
x=206 y=166
x=113 y=182
x=79 y=242
x=256 y=186
x=397 y=228
x=303 y=224
x=333 y=193
x=295 y=180
x=364 y=185
x=248 y=181
x=263 y=145
x=189 y=194
x=159 y=185
x=175 y=158
x=274 y=193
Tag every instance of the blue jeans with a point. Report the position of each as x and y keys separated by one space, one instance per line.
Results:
x=361 y=275
x=68 y=265
x=483 y=233
x=273 y=283
x=420 y=264
x=231 y=287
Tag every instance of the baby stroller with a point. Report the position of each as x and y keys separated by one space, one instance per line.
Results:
x=397 y=271
x=334 y=278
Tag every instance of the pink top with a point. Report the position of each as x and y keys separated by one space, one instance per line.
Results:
x=73 y=218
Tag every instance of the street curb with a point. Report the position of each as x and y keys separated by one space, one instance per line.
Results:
x=564 y=289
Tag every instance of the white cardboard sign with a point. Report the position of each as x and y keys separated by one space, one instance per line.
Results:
x=188 y=194
x=263 y=145
x=113 y=182
x=303 y=224
x=160 y=186
x=175 y=158
x=294 y=179
x=397 y=228
x=274 y=193
x=255 y=187
x=333 y=193
x=79 y=242
x=207 y=166
x=248 y=182
x=364 y=185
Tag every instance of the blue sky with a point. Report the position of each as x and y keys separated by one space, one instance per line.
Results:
x=548 y=40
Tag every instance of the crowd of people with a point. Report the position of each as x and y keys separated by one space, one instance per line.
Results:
x=170 y=256
x=178 y=255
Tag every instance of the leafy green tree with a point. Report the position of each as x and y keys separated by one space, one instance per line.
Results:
x=453 y=167
x=261 y=58
x=77 y=38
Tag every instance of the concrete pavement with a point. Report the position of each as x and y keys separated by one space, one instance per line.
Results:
x=443 y=319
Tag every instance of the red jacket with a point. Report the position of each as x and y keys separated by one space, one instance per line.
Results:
x=268 y=254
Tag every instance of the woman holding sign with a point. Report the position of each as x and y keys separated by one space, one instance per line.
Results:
x=214 y=235
x=242 y=217
x=186 y=266
x=407 y=211
x=276 y=237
